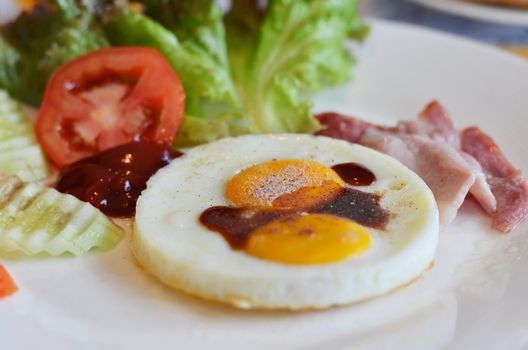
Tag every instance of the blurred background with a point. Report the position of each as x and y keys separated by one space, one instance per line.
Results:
x=504 y=26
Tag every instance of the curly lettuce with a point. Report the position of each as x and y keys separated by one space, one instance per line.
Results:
x=19 y=75
x=250 y=71
x=40 y=41
x=191 y=36
x=299 y=50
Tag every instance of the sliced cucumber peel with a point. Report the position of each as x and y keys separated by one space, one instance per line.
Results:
x=39 y=220
x=20 y=154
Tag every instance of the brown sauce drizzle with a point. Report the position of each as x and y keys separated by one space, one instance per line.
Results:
x=236 y=224
x=354 y=174
x=361 y=207
x=113 y=179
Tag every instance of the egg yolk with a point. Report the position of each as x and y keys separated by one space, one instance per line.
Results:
x=308 y=197
x=308 y=239
x=264 y=183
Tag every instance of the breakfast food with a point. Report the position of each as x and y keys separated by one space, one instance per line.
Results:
x=454 y=165
x=285 y=221
x=243 y=70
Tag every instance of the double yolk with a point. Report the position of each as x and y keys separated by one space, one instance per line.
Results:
x=304 y=238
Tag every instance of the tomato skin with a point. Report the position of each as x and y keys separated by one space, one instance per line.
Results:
x=151 y=90
x=7 y=285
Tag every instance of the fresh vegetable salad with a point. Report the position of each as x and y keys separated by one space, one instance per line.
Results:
x=119 y=85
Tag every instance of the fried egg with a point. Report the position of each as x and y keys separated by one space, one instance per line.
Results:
x=290 y=248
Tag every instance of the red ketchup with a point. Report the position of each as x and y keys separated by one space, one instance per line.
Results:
x=113 y=179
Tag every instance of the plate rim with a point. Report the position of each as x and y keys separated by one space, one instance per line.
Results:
x=440 y=34
x=481 y=12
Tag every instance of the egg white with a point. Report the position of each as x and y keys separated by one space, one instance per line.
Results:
x=170 y=242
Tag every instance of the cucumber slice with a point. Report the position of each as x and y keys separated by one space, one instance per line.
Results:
x=40 y=220
x=20 y=153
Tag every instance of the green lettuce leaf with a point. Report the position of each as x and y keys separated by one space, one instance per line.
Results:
x=299 y=50
x=208 y=86
x=77 y=37
x=276 y=58
x=197 y=24
x=19 y=75
x=37 y=43
x=195 y=131
x=252 y=71
x=33 y=32
x=193 y=41
x=199 y=27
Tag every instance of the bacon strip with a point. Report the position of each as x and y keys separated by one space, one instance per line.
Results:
x=340 y=127
x=508 y=185
x=437 y=117
x=481 y=189
x=441 y=167
x=453 y=165
x=486 y=152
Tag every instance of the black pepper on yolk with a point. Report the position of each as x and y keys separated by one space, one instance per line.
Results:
x=295 y=212
x=264 y=184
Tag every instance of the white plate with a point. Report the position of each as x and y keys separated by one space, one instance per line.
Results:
x=104 y=301
x=490 y=13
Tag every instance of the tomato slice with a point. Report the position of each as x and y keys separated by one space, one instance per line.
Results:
x=7 y=285
x=107 y=98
